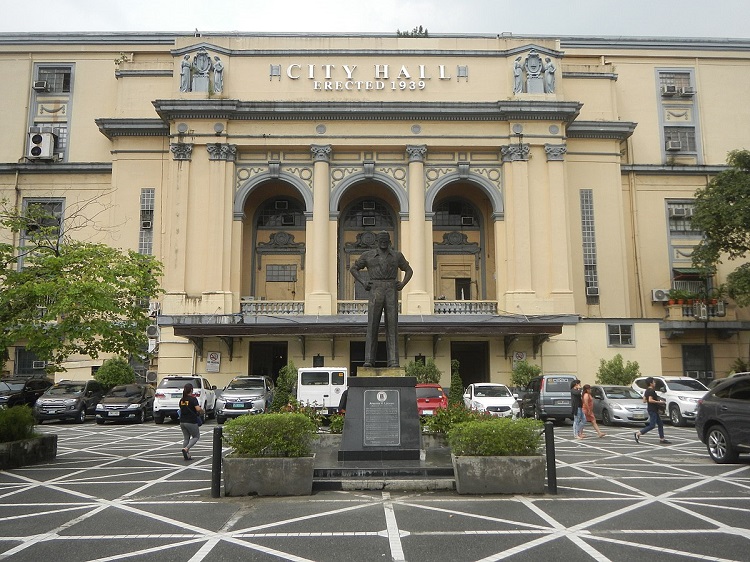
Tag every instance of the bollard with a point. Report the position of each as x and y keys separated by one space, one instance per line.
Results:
x=549 y=441
x=216 y=464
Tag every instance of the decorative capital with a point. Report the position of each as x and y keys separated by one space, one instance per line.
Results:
x=515 y=152
x=222 y=151
x=555 y=152
x=321 y=152
x=181 y=150
x=416 y=152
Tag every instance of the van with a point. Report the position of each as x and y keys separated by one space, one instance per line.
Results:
x=548 y=397
x=321 y=387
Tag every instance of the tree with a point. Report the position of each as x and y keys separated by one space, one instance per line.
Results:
x=114 y=372
x=523 y=372
x=614 y=372
x=62 y=297
x=284 y=391
x=722 y=212
x=425 y=372
x=456 y=394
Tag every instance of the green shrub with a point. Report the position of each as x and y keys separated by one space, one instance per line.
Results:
x=445 y=418
x=270 y=435
x=523 y=372
x=114 y=372
x=16 y=423
x=284 y=391
x=426 y=372
x=614 y=372
x=336 y=423
x=496 y=437
x=295 y=407
x=456 y=393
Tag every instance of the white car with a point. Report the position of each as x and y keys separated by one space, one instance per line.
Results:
x=681 y=394
x=494 y=398
x=169 y=392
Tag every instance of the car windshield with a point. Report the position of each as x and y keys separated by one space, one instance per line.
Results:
x=125 y=391
x=72 y=388
x=686 y=385
x=622 y=394
x=246 y=384
x=179 y=383
x=10 y=385
x=492 y=391
x=429 y=392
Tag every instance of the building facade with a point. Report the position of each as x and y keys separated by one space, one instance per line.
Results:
x=541 y=189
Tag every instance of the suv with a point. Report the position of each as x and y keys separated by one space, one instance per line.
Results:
x=244 y=395
x=548 y=397
x=68 y=400
x=169 y=392
x=18 y=391
x=723 y=420
x=681 y=394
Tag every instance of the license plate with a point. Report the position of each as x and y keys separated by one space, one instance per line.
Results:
x=177 y=395
x=239 y=405
x=639 y=416
x=115 y=414
x=562 y=402
x=427 y=412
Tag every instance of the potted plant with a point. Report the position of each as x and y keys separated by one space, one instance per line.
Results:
x=20 y=445
x=271 y=455
x=676 y=296
x=435 y=428
x=498 y=456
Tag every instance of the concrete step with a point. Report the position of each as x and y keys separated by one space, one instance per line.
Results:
x=387 y=484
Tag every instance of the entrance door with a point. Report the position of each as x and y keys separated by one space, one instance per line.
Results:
x=267 y=358
x=473 y=361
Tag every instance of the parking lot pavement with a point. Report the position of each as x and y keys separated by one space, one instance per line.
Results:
x=119 y=492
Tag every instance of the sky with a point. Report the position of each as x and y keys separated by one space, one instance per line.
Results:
x=631 y=18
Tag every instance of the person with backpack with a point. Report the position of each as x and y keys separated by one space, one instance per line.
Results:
x=190 y=420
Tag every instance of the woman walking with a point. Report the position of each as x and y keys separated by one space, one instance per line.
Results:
x=588 y=409
x=654 y=403
x=189 y=412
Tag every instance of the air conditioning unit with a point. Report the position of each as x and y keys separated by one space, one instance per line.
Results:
x=659 y=295
x=689 y=211
x=39 y=85
x=592 y=291
x=668 y=90
x=147 y=225
x=154 y=307
x=677 y=212
x=368 y=221
x=467 y=221
x=674 y=145
x=721 y=309
x=281 y=204
x=41 y=143
x=38 y=364
x=151 y=376
x=692 y=374
x=152 y=332
x=687 y=91
x=368 y=205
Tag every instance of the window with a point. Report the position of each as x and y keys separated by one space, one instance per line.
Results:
x=281 y=273
x=680 y=139
x=680 y=214
x=27 y=363
x=58 y=79
x=619 y=335
x=697 y=361
x=146 y=234
x=44 y=217
x=674 y=82
x=590 y=269
x=455 y=213
x=50 y=103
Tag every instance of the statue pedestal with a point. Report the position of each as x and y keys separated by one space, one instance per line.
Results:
x=381 y=372
x=382 y=422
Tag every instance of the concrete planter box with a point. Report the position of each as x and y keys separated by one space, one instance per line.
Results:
x=35 y=450
x=327 y=442
x=499 y=475
x=432 y=440
x=280 y=476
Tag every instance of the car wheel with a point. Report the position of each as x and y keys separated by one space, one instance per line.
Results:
x=606 y=419
x=676 y=416
x=718 y=445
x=142 y=416
x=220 y=419
x=158 y=418
x=538 y=415
x=81 y=417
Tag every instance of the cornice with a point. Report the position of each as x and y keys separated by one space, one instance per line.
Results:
x=112 y=128
x=617 y=130
x=662 y=170
x=372 y=111
x=42 y=167
x=143 y=73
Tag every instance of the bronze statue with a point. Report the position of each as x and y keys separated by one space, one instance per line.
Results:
x=382 y=264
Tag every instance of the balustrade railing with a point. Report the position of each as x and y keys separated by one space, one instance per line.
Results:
x=273 y=308
x=465 y=307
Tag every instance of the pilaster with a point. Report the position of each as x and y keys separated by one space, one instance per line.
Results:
x=175 y=226
x=319 y=299
x=417 y=296
x=559 y=241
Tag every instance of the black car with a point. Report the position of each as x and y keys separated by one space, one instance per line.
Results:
x=723 y=420
x=17 y=392
x=68 y=400
x=127 y=402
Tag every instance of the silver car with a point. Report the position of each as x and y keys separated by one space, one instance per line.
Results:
x=244 y=395
x=618 y=404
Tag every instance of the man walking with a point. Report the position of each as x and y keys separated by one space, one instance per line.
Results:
x=654 y=419
x=576 y=403
x=383 y=265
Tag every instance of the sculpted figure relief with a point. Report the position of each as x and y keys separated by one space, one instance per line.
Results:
x=218 y=75
x=185 y=74
x=382 y=265
x=549 y=76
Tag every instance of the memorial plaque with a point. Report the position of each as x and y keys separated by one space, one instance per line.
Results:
x=382 y=423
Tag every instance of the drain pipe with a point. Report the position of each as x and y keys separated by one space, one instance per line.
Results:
x=549 y=441
x=216 y=464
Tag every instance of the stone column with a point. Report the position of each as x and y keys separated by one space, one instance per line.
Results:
x=417 y=296
x=175 y=227
x=559 y=242
x=518 y=217
x=318 y=299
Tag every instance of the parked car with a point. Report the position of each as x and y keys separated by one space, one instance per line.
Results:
x=18 y=391
x=618 y=404
x=494 y=398
x=680 y=393
x=322 y=387
x=244 y=395
x=548 y=397
x=723 y=420
x=127 y=402
x=717 y=382
x=430 y=397
x=169 y=392
x=68 y=400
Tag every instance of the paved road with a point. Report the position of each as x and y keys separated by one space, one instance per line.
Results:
x=122 y=492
